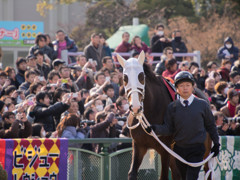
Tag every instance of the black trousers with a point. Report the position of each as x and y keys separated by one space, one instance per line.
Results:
x=193 y=154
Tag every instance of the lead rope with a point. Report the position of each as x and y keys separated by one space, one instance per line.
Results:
x=145 y=125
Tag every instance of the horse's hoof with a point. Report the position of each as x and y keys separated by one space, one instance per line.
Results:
x=132 y=177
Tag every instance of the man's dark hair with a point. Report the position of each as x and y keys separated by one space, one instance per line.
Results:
x=63 y=67
x=87 y=112
x=169 y=63
x=104 y=69
x=7 y=115
x=100 y=115
x=58 y=31
x=58 y=92
x=39 y=38
x=158 y=26
x=107 y=87
x=176 y=31
x=20 y=60
x=210 y=63
x=52 y=74
x=28 y=73
x=37 y=52
x=9 y=89
x=119 y=101
x=97 y=75
x=33 y=87
x=41 y=96
x=193 y=64
x=104 y=59
x=82 y=91
x=3 y=74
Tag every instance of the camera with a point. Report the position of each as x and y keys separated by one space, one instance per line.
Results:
x=124 y=118
x=231 y=120
x=88 y=122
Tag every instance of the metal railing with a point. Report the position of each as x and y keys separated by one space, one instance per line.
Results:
x=195 y=54
x=87 y=165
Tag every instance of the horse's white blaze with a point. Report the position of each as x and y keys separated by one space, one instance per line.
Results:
x=132 y=68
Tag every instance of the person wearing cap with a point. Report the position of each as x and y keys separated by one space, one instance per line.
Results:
x=225 y=69
x=188 y=119
x=57 y=64
x=232 y=101
x=22 y=67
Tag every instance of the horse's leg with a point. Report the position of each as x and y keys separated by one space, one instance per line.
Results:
x=165 y=163
x=176 y=175
x=137 y=157
x=208 y=145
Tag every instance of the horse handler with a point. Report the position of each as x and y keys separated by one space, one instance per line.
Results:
x=187 y=119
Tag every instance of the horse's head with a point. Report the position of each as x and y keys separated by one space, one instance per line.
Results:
x=134 y=81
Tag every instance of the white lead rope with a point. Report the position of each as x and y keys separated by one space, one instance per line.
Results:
x=144 y=123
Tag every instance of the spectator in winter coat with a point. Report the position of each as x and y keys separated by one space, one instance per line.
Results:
x=69 y=127
x=44 y=112
x=95 y=50
x=22 y=67
x=63 y=42
x=43 y=67
x=29 y=79
x=15 y=127
x=104 y=127
x=228 y=51
x=159 y=42
x=171 y=70
x=229 y=109
x=124 y=46
x=218 y=99
x=41 y=45
x=178 y=45
x=138 y=45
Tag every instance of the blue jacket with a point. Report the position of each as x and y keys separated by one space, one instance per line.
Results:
x=233 y=50
x=70 y=132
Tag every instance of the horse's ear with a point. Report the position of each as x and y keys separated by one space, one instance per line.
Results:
x=121 y=60
x=141 y=57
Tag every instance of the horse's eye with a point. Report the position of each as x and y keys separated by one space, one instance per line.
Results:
x=125 y=79
x=141 y=78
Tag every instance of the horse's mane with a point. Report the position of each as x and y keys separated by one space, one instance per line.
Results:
x=150 y=75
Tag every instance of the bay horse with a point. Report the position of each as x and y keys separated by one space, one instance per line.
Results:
x=147 y=92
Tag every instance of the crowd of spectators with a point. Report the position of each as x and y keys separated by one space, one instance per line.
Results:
x=44 y=97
